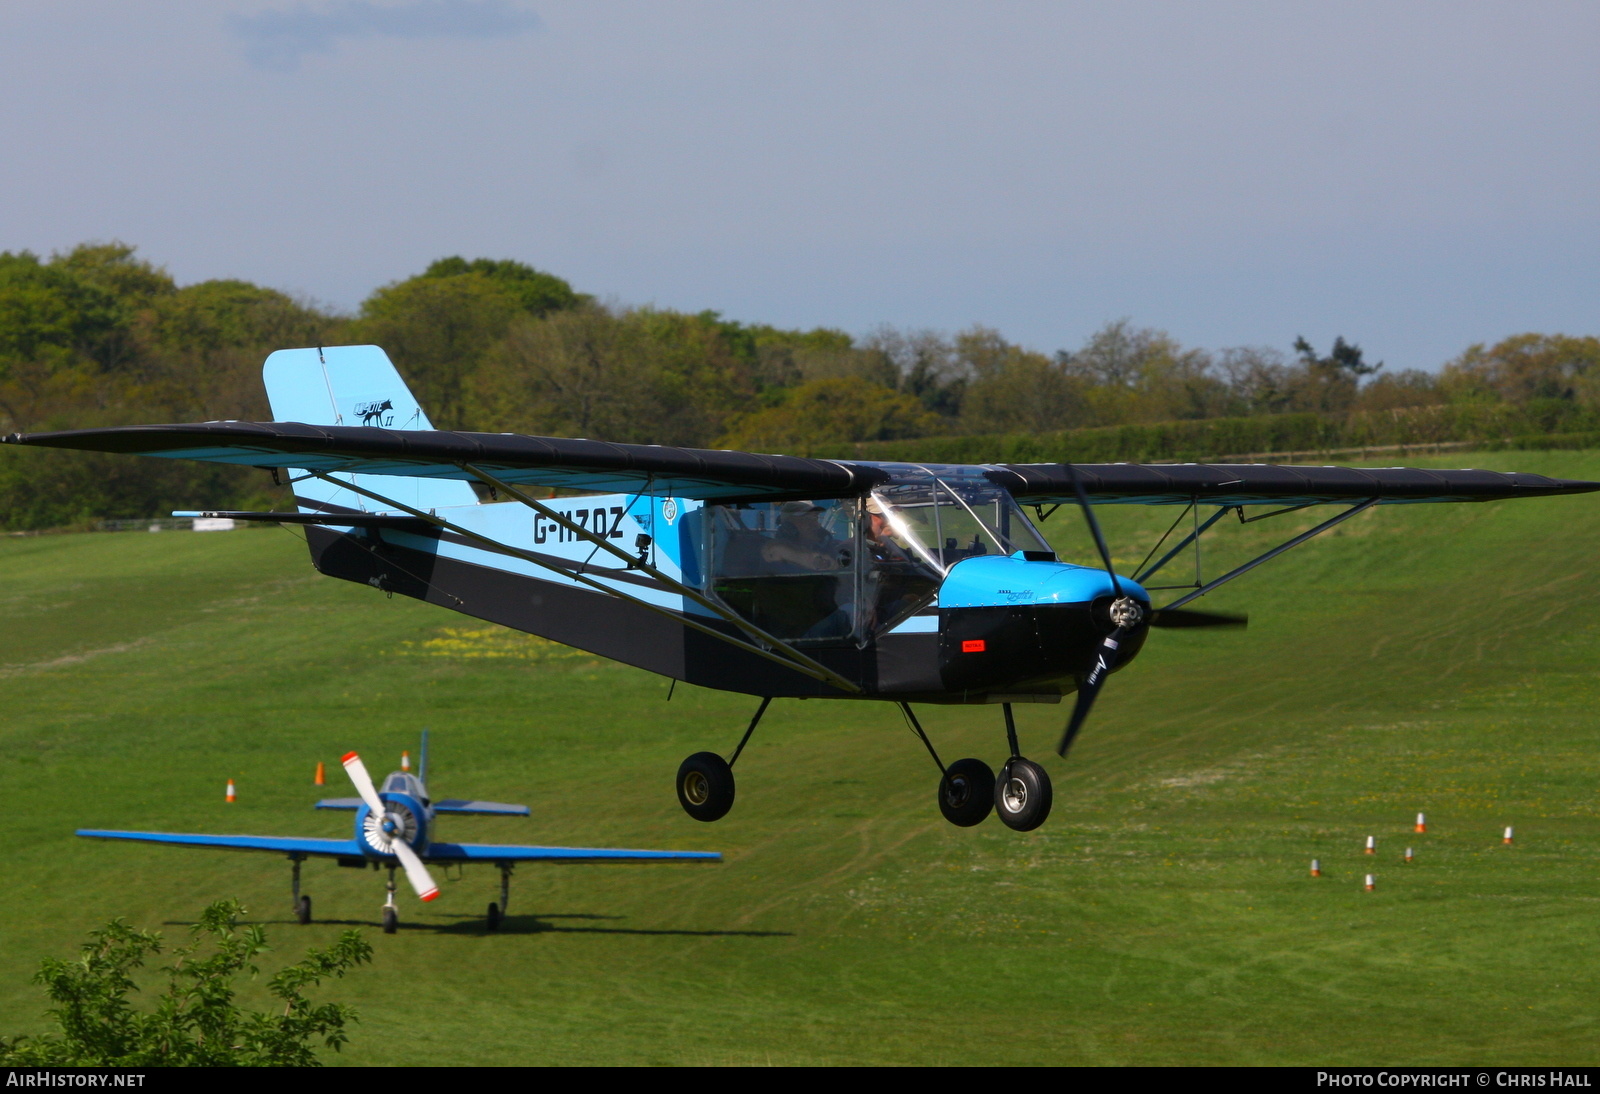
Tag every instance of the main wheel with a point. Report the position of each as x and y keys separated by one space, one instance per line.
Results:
x=302 y=910
x=705 y=786
x=1022 y=794
x=966 y=793
x=391 y=921
x=493 y=920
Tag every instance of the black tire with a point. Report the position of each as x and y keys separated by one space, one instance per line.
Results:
x=391 y=921
x=1022 y=794
x=705 y=786
x=302 y=910
x=966 y=793
x=492 y=921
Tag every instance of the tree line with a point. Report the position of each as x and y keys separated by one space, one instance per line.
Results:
x=99 y=336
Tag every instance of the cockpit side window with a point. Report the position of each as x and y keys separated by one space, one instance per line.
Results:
x=788 y=567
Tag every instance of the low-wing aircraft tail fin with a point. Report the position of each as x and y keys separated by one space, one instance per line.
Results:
x=353 y=386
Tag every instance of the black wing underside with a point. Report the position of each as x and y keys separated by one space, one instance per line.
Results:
x=709 y=475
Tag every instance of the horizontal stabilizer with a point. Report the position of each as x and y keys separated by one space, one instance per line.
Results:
x=336 y=520
x=495 y=852
x=294 y=845
x=339 y=803
x=499 y=809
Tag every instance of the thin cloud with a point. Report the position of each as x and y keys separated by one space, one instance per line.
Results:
x=279 y=40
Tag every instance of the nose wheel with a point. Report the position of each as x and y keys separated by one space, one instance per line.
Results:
x=1022 y=794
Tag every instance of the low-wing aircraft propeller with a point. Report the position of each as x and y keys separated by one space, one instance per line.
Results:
x=394 y=829
x=773 y=576
x=385 y=829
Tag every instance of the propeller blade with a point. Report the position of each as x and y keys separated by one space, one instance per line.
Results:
x=1094 y=528
x=1185 y=617
x=1089 y=688
x=358 y=775
x=416 y=872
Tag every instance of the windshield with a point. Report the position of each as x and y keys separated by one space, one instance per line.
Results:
x=944 y=520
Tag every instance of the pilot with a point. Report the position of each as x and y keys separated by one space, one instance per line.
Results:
x=801 y=540
x=880 y=534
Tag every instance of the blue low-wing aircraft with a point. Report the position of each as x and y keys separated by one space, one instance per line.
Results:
x=394 y=829
x=775 y=576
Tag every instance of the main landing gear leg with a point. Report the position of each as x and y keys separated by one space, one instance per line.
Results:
x=1022 y=793
x=705 y=780
x=497 y=912
x=391 y=914
x=302 y=904
x=966 y=787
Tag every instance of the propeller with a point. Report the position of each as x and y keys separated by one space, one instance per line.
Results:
x=416 y=872
x=1124 y=616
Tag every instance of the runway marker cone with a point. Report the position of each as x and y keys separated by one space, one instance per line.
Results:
x=1422 y=823
x=405 y=761
x=1408 y=854
x=322 y=776
x=1372 y=845
x=1507 y=840
x=1371 y=884
x=232 y=793
x=1316 y=867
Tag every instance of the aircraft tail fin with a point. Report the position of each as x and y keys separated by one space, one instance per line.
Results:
x=353 y=386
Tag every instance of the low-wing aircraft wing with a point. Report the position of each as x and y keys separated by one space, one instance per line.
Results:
x=293 y=845
x=393 y=829
x=500 y=852
x=448 y=805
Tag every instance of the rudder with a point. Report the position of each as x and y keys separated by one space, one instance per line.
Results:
x=353 y=386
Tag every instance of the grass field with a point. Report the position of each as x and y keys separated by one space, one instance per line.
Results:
x=1432 y=658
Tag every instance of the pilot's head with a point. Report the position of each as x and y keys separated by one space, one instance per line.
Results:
x=796 y=512
x=877 y=518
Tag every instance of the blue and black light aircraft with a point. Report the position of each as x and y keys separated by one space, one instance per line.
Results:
x=774 y=576
x=394 y=830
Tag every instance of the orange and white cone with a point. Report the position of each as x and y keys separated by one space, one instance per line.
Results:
x=1507 y=840
x=1371 y=884
x=405 y=761
x=1372 y=845
x=1422 y=823
x=322 y=775
x=233 y=794
x=1408 y=854
x=1316 y=867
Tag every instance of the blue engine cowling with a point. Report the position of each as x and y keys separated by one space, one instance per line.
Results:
x=1018 y=625
x=401 y=804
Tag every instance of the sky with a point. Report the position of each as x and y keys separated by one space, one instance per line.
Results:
x=1415 y=177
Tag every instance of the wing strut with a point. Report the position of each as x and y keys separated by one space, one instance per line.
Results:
x=644 y=567
x=1274 y=553
x=795 y=660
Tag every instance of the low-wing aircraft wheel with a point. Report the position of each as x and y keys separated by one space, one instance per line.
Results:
x=1022 y=794
x=302 y=910
x=705 y=786
x=966 y=793
x=492 y=921
x=391 y=921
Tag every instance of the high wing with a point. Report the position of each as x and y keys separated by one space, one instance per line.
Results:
x=495 y=852
x=513 y=458
x=343 y=848
x=1258 y=483
x=708 y=475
